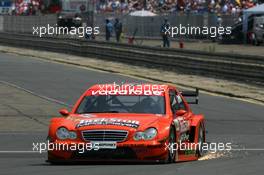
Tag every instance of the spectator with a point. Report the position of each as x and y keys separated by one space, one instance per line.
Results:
x=108 y=29
x=118 y=29
x=123 y=6
x=165 y=35
x=115 y=5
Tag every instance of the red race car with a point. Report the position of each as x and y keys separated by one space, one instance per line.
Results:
x=128 y=122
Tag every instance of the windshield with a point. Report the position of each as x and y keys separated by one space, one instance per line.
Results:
x=122 y=104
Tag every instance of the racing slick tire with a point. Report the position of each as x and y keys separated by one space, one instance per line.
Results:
x=171 y=141
x=201 y=139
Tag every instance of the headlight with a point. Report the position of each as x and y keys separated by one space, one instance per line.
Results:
x=139 y=136
x=72 y=135
x=150 y=133
x=146 y=135
x=63 y=133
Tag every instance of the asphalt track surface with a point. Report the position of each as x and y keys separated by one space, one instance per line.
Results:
x=227 y=120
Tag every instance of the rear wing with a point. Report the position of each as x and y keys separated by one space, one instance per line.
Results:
x=194 y=94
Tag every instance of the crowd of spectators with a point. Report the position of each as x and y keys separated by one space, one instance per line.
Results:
x=33 y=7
x=170 y=6
x=26 y=7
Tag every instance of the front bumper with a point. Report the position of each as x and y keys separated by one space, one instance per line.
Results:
x=125 y=151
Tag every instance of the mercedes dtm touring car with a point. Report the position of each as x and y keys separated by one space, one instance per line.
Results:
x=128 y=122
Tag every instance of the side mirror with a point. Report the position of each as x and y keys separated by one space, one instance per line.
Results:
x=64 y=112
x=180 y=112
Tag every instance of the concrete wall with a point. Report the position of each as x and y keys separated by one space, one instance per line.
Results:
x=1 y=23
x=25 y=24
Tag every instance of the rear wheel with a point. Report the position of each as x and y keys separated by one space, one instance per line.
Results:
x=201 y=139
x=172 y=142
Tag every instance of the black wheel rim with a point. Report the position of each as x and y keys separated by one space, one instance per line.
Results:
x=172 y=151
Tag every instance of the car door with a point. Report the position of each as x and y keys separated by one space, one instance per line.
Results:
x=177 y=104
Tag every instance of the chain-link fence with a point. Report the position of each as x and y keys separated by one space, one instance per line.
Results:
x=145 y=27
x=25 y=24
x=149 y=27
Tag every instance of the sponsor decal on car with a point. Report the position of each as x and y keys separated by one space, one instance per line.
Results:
x=107 y=121
x=189 y=152
x=129 y=89
x=184 y=137
x=184 y=124
x=104 y=145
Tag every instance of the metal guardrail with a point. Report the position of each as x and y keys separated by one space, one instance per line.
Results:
x=228 y=66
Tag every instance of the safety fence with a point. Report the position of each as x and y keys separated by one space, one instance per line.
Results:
x=148 y=27
x=25 y=24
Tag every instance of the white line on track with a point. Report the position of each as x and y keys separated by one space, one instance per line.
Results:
x=35 y=94
x=248 y=149
x=21 y=151
x=245 y=149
